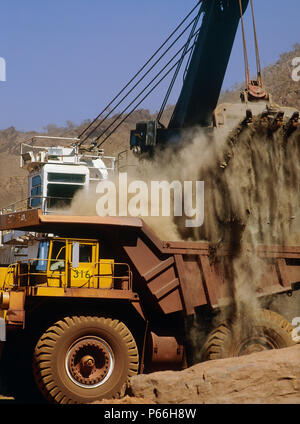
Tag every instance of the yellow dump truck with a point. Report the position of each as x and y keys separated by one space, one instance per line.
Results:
x=105 y=299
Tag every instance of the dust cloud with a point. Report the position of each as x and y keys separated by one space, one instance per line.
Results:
x=252 y=197
x=251 y=179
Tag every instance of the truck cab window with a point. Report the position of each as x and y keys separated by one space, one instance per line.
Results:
x=36 y=191
x=42 y=256
x=85 y=253
x=58 y=255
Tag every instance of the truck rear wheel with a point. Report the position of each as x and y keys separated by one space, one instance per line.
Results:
x=83 y=359
x=271 y=331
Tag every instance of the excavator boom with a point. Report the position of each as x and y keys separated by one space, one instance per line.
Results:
x=203 y=82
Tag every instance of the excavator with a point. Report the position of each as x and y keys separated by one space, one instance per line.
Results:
x=100 y=299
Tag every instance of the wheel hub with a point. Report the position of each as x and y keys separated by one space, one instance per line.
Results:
x=89 y=362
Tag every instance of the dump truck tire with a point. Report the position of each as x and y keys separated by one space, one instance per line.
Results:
x=271 y=331
x=81 y=359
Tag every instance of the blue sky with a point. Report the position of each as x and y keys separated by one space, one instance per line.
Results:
x=66 y=59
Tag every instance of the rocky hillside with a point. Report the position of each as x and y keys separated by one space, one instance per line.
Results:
x=278 y=81
x=13 y=185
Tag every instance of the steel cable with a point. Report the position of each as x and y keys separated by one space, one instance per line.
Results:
x=139 y=72
x=151 y=90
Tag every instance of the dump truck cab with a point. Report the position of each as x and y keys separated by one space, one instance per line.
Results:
x=71 y=263
x=55 y=264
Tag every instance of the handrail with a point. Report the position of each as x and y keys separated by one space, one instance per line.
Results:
x=94 y=273
x=24 y=203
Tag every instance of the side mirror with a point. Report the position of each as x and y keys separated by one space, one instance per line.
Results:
x=75 y=254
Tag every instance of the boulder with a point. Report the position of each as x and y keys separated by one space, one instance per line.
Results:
x=266 y=377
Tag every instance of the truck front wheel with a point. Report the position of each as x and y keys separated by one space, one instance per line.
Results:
x=270 y=331
x=81 y=359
